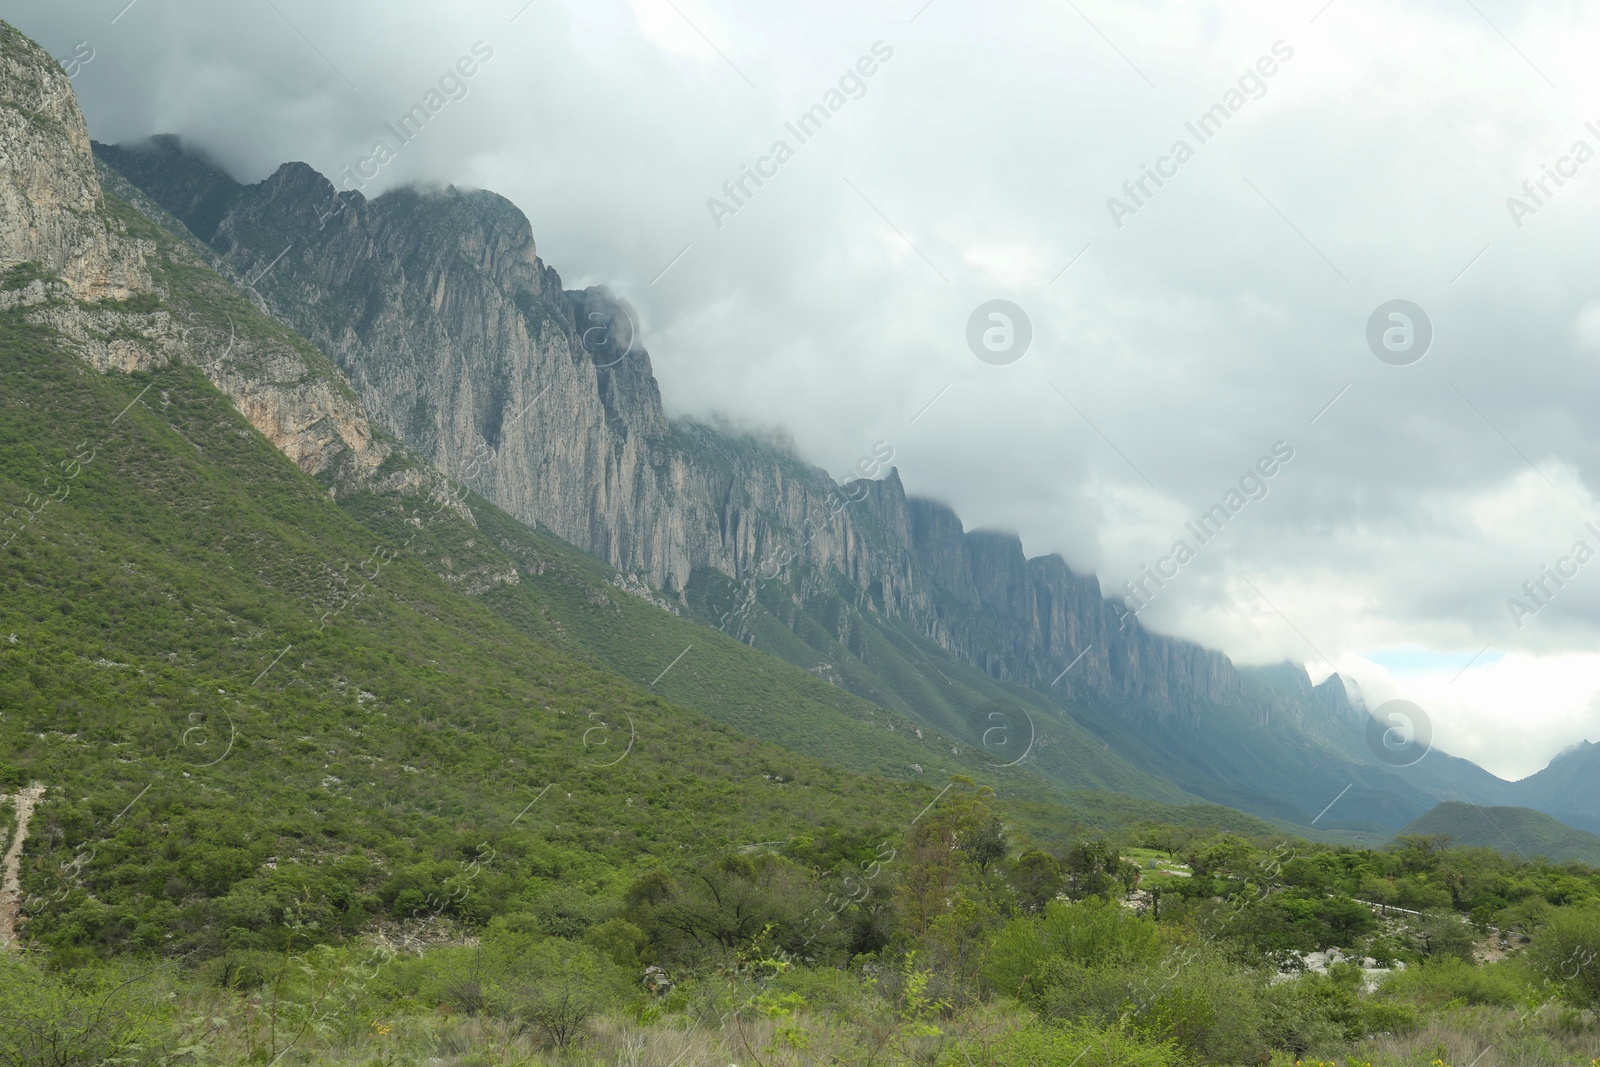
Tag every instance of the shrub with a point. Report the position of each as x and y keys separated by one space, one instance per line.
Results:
x=1442 y=934
x=558 y=987
x=1317 y=1010
x=85 y=1018
x=1205 y=1006
x=567 y=911
x=622 y=943
x=1567 y=951
x=1447 y=979
x=1040 y=1045
x=1093 y=932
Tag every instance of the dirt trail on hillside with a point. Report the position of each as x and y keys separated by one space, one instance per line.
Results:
x=11 y=865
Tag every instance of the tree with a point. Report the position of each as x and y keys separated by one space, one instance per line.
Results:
x=1168 y=837
x=1038 y=877
x=956 y=840
x=1094 y=868
x=1346 y=919
x=986 y=843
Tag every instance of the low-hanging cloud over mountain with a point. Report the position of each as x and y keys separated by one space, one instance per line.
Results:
x=1183 y=315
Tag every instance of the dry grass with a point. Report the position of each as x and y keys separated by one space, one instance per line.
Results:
x=1486 y=1036
x=797 y=1041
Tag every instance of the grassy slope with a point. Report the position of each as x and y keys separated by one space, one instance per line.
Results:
x=1514 y=832
x=213 y=757
x=568 y=599
x=836 y=632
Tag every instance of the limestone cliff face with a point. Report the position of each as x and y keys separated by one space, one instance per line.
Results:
x=464 y=344
x=51 y=212
x=460 y=340
x=88 y=279
x=1028 y=620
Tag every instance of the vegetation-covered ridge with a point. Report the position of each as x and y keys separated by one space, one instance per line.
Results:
x=886 y=597
x=241 y=700
x=1513 y=831
x=310 y=802
x=353 y=769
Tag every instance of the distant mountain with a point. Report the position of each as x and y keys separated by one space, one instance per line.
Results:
x=247 y=647
x=1517 y=832
x=462 y=342
x=1569 y=788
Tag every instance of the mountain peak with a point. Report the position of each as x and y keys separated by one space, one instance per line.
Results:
x=433 y=302
x=51 y=211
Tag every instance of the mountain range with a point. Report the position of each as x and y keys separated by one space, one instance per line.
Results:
x=459 y=339
x=394 y=345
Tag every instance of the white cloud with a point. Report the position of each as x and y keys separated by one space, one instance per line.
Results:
x=1586 y=327
x=1219 y=319
x=1499 y=714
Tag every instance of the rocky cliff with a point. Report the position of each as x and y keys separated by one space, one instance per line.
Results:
x=462 y=341
x=97 y=274
x=51 y=210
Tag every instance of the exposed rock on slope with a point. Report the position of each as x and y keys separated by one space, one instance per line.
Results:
x=461 y=341
x=51 y=211
x=68 y=255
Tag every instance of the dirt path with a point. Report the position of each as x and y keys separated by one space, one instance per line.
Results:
x=11 y=865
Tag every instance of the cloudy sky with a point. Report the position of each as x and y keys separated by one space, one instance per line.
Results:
x=1178 y=334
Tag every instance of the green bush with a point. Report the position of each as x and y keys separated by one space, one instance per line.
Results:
x=1040 y=1045
x=567 y=911
x=1204 y=1005
x=557 y=987
x=85 y=1018
x=824 y=988
x=1066 y=991
x=622 y=943
x=1447 y=979
x=1317 y=1010
x=1567 y=951
x=1093 y=932
x=1440 y=935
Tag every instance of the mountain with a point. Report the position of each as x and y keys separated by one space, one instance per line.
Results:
x=1567 y=788
x=247 y=646
x=462 y=342
x=1516 y=832
x=258 y=658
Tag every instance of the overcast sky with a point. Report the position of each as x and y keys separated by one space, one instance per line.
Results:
x=1200 y=322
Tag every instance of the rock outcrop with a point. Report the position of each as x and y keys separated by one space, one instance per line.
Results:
x=68 y=258
x=51 y=210
x=461 y=341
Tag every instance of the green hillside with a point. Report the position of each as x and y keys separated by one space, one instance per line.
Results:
x=1514 y=832
x=242 y=701
x=354 y=770
x=244 y=697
